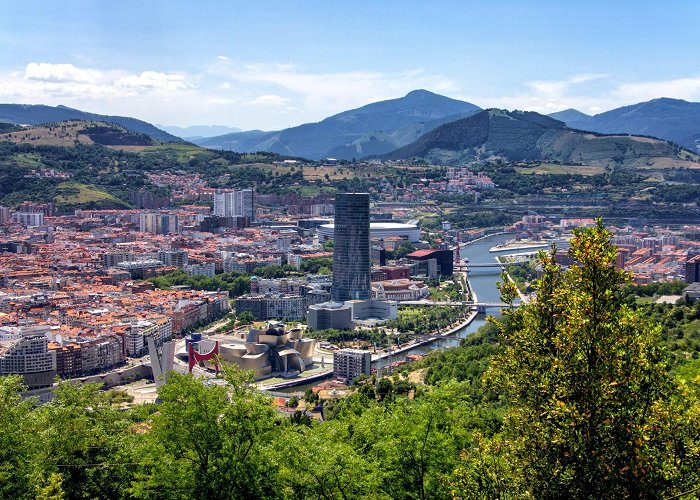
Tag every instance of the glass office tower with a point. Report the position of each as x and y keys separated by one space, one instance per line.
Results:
x=351 y=261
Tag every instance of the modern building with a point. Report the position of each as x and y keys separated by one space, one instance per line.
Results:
x=443 y=258
x=328 y=315
x=378 y=230
x=373 y=311
x=351 y=262
x=27 y=354
x=272 y=350
x=348 y=364
x=270 y=306
x=692 y=270
x=159 y=223
x=235 y=204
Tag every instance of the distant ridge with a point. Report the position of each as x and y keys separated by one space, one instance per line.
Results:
x=674 y=120
x=376 y=128
x=530 y=136
x=38 y=114
x=198 y=131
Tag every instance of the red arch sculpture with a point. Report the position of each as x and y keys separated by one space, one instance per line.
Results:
x=194 y=357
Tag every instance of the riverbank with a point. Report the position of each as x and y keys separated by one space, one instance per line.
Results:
x=477 y=240
x=433 y=338
x=518 y=246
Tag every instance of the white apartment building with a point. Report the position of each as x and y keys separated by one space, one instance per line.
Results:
x=235 y=204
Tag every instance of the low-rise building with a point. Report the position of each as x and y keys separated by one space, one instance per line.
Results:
x=329 y=315
x=348 y=364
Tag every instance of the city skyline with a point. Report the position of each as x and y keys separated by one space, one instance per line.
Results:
x=277 y=65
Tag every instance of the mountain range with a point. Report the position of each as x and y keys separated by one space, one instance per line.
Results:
x=403 y=125
x=38 y=114
x=671 y=119
x=195 y=132
x=373 y=129
x=530 y=136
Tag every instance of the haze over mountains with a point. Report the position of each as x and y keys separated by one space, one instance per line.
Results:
x=198 y=131
x=403 y=126
x=373 y=129
x=379 y=128
x=671 y=119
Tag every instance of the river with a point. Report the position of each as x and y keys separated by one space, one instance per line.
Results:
x=483 y=282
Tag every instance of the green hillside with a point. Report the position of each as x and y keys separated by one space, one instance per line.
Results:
x=529 y=136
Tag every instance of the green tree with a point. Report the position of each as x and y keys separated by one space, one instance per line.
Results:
x=15 y=438
x=590 y=398
x=209 y=441
x=246 y=317
x=83 y=446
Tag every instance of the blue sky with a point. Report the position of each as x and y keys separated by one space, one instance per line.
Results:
x=273 y=64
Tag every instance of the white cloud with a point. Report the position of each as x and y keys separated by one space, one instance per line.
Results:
x=154 y=80
x=591 y=93
x=269 y=100
x=222 y=58
x=60 y=73
x=225 y=85
x=222 y=100
x=322 y=94
x=679 y=88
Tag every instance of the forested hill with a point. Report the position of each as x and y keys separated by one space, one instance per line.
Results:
x=530 y=136
x=88 y=174
x=72 y=132
x=37 y=114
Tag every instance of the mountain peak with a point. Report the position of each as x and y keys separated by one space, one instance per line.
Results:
x=420 y=93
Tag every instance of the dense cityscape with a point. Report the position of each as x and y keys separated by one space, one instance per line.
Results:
x=349 y=250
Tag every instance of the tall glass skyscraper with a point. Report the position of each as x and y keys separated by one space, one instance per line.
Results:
x=351 y=261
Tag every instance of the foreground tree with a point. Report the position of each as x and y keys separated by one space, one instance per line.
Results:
x=209 y=441
x=593 y=412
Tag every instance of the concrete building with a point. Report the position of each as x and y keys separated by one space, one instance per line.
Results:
x=329 y=315
x=28 y=219
x=348 y=364
x=692 y=270
x=136 y=339
x=375 y=311
x=158 y=223
x=205 y=269
x=378 y=230
x=101 y=353
x=170 y=258
x=399 y=290
x=140 y=269
x=270 y=306
x=5 y=215
x=27 y=354
x=235 y=204
x=691 y=293
x=351 y=262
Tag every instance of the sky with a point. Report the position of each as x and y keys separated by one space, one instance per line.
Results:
x=273 y=64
